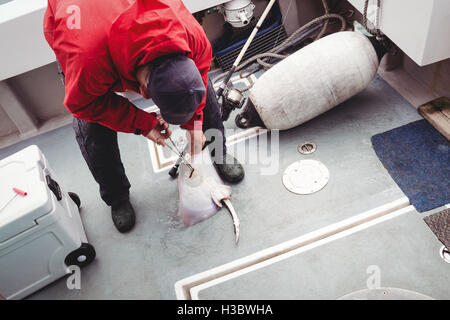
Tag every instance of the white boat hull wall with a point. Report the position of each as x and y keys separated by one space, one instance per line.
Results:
x=315 y=79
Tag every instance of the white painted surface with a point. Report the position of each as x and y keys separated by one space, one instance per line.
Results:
x=23 y=45
x=198 y=5
x=421 y=28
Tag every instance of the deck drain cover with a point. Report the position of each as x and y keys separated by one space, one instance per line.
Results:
x=307 y=148
x=306 y=177
x=445 y=254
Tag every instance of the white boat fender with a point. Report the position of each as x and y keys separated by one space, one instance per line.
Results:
x=312 y=81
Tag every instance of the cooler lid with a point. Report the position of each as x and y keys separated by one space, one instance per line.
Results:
x=23 y=170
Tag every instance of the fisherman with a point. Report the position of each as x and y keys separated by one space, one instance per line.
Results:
x=152 y=47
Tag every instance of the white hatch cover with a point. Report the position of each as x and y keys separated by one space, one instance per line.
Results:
x=306 y=176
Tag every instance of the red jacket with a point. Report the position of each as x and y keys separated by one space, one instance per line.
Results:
x=99 y=60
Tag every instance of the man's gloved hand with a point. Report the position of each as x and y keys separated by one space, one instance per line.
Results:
x=160 y=132
x=196 y=140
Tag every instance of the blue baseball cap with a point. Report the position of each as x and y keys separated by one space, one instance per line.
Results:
x=176 y=87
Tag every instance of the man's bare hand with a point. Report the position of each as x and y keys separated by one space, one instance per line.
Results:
x=196 y=140
x=160 y=133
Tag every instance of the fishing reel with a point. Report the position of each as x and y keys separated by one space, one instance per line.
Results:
x=232 y=99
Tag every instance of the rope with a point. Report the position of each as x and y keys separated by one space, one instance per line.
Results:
x=325 y=26
x=375 y=31
x=271 y=53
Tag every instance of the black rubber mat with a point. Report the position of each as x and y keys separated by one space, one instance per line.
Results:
x=439 y=223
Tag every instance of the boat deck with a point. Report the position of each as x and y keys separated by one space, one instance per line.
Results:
x=147 y=262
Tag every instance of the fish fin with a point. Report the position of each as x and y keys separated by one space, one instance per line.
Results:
x=236 y=222
x=219 y=193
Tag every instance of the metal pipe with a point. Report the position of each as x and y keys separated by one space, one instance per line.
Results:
x=245 y=48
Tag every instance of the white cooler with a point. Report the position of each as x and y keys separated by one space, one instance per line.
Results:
x=41 y=234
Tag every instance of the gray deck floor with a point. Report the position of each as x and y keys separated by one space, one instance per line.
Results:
x=145 y=263
x=403 y=253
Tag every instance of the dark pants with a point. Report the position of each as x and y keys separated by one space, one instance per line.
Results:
x=99 y=147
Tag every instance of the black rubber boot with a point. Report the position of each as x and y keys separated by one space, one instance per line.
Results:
x=123 y=216
x=230 y=169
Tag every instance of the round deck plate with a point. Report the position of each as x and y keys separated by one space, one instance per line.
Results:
x=385 y=294
x=445 y=254
x=306 y=176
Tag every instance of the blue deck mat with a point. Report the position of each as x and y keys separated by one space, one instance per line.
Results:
x=417 y=158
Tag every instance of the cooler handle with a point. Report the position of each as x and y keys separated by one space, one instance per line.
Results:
x=54 y=187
